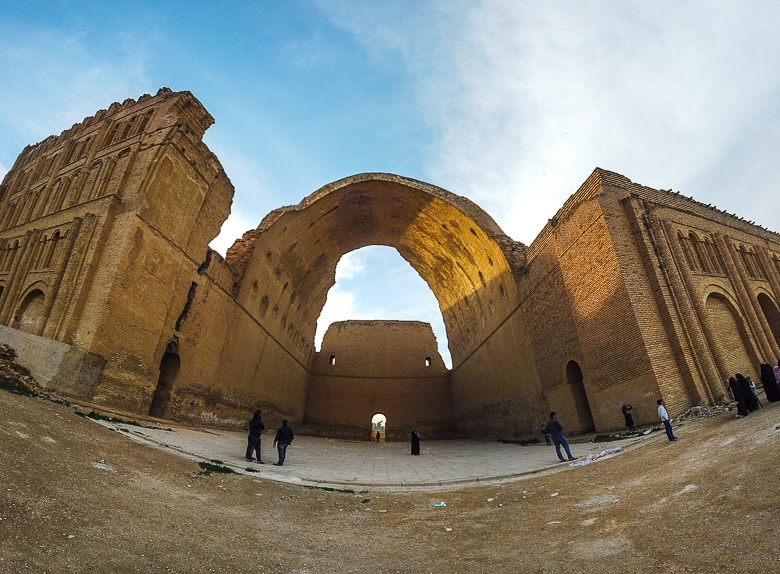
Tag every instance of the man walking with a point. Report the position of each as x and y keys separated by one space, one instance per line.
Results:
x=665 y=419
x=556 y=431
x=256 y=428
x=284 y=437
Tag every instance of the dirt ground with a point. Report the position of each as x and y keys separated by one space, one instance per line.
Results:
x=708 y=503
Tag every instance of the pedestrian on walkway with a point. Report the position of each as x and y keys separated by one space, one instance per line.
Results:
x=627 y=415
x=546 y=434
x=665 y=419
x=256 y=428
x=415 y=442
x=556 y=431
x=283 y=439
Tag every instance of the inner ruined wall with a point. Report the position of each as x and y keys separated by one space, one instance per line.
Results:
x=388 y=367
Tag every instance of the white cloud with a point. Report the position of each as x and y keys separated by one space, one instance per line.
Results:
x=53 y=78
x=528 y=98
x=351 y=265
x=339 y=307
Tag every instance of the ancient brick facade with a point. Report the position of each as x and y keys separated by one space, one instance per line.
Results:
x=111 y=295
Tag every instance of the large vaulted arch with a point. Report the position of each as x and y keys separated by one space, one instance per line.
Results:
x=458 y=250
x=286 y=266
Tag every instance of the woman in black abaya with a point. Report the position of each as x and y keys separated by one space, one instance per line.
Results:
x=736 y=394
x=415 y=442
x=769 y=382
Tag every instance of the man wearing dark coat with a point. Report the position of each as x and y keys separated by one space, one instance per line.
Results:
x=256 y=428
x=284 y=438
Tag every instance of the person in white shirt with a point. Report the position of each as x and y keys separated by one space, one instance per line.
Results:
x=665 y=419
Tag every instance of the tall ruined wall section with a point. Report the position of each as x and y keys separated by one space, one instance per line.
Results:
x=388 y=367
x=716 y=280
x=580 y=314
x=623 y=307
x=103 y=230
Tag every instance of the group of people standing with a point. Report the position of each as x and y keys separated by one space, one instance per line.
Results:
x=743 y=392
x=283 y=439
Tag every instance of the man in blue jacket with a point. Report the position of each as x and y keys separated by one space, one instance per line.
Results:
x=284 y=437
x=556 y=432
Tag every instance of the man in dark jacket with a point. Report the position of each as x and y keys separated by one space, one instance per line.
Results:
x=284 y=437
x=256 y=428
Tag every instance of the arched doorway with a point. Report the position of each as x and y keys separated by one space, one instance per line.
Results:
x=169 y=368
x=29 y=314
x=730 y=336
x=582 y=405
x=771 y=314
x=378 y=427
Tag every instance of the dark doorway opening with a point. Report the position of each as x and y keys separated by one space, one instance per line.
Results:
x=169 y=368
x=577 y=386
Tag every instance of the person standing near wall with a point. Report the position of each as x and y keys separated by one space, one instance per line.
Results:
x=256 y=428
x=283 y=439
x=627 y=415
x=665 y=419
x=556 y=431
x=546 y=434
x=415 y=442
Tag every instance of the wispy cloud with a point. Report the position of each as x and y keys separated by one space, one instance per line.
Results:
x=54 y=77
x=528 y=98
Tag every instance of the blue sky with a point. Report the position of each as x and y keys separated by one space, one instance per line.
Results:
x=511 y=103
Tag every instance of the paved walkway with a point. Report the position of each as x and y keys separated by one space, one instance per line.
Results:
x=368 y=466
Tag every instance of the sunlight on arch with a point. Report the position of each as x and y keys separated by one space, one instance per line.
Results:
x=376 y=283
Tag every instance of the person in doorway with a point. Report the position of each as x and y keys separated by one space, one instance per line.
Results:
x=546 y=434
x=415 y=442
x=283 y=439
x=665 y=420
x=256 y=428
x=378 y=436
x=556 y=431
x=627 y=415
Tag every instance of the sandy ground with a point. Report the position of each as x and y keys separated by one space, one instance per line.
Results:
x=708 y=503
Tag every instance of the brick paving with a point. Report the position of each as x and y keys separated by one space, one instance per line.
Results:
x=370 y=466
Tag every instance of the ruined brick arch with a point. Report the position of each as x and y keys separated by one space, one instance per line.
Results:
x=730 y=330
x=29 y=314
x=771 y=313
x=457 y=249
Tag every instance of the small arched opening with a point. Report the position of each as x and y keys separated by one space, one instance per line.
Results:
x=169 y=369
x=582 y=405
x=378 y=427
x=771 y=314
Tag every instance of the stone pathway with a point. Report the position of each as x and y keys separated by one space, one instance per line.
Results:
x=370 y=466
